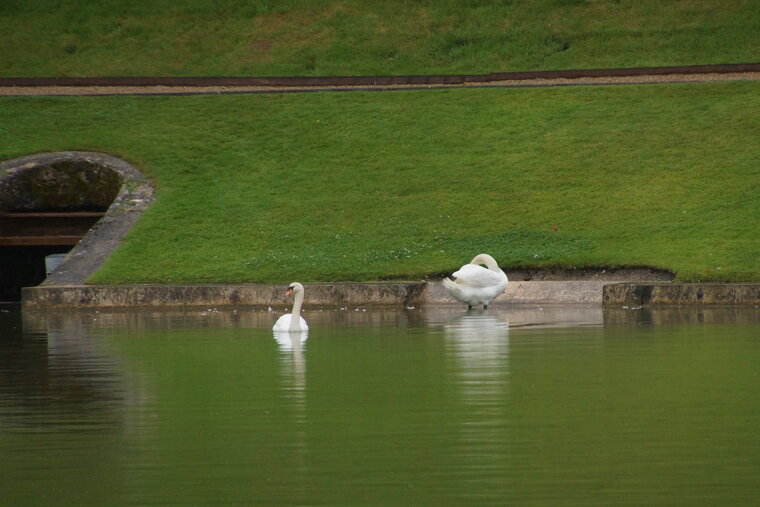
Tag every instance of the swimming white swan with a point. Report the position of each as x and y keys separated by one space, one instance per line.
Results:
x=475 y=285
x=293 y=321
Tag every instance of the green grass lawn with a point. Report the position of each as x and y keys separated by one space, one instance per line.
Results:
x=332 y=186
x=352 y=37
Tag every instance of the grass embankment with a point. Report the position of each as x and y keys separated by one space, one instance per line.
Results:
x=365 y=186
x=352 y=37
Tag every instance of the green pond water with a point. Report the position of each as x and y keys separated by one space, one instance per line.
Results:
x=430 y=406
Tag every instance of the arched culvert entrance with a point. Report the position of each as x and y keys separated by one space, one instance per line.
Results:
x=75 y=204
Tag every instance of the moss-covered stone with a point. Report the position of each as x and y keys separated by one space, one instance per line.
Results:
x=67 y=185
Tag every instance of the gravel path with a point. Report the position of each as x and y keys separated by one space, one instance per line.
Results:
x=188 y=90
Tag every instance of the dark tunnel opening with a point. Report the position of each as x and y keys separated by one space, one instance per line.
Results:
x=45 y=210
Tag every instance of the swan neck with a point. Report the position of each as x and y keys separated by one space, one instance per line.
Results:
x=295 y=320
x=297 y=302
x=489 y=261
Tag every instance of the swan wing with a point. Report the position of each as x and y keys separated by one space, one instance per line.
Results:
x=478 y=276
x=283 y=323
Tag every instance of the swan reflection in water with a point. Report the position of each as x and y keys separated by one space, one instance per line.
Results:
x=293 y=388
x=291 y=345
x=288 y=340
x=478 y=337
x=478 y=343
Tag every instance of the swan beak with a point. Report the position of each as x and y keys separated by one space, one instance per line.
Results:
x=289 y=291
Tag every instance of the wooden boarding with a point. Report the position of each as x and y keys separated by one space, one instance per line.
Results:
x=372 y=80
x=46 y=228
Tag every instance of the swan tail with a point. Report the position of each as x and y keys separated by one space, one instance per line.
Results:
x=449 y=284
x=454 y=289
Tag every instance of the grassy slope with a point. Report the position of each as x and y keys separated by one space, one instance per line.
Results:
x=333 y=37
x=363 y=185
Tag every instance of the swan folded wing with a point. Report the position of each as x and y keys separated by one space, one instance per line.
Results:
x=285 y=323
x=477 y=276
x=459 y=291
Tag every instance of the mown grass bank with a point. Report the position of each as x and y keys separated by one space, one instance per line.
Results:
x=364 y=185
x=351 y=37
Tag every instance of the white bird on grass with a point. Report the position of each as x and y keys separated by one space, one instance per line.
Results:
x=475 y=285
x=293 y=321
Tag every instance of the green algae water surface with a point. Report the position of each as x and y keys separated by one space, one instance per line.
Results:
x=431 y=406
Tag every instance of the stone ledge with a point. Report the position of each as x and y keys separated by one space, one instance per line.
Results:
x=368 y=294
x=538 y=292
x=89 y=296
x=637 y=294
x=326 y=294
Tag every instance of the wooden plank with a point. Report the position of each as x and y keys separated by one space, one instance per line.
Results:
x=38 y=224
x=39 y=240
x=53 y=214
x=370 y=80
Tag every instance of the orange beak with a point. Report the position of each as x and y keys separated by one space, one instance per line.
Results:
x=289 y=291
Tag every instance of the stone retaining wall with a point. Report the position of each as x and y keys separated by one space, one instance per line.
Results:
x=407 y=294
x=337 y=294
x=219 y=295
x=636 y=294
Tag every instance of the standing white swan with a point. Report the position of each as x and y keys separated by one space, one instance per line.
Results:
x=475 y=285
x=293 y=321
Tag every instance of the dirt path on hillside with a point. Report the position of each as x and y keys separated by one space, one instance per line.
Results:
x=47 y=90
